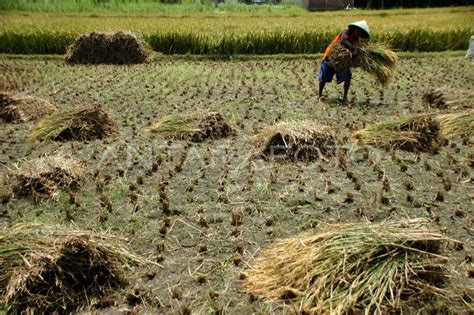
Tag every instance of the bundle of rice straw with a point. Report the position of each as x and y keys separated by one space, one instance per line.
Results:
x=21 y=108
x=457 y=125
x=352 y=268
x=6 y=193
x=7 y=85
x=47 y=269
x=81 y=123
x=43 y=177
x=375 y=59
x=419 y=133
x=296 y=141
x=108 y=48
x=340 y=58
x=196 y=127
x=434 y=98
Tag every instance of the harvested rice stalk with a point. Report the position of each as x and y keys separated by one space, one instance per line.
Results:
x=420 y=133
x=457 y=125
x=108 y=48
x=196 y=127
x=7 y=85
x=6 y=193
x=340 y=58
x=20 y=108
x=81 y=123
x=44 y=268
x=375 y=59
x=43 y=177
x=296 y=140
x=352 y=267
x=379 y=61
x=447 y=97
x=434 y=98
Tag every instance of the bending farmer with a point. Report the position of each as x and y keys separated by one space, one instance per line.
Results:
x=349 y=37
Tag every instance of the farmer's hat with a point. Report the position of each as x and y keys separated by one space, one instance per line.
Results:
x=362 y=26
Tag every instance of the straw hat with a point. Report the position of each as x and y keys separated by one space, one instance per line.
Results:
x=363 y=26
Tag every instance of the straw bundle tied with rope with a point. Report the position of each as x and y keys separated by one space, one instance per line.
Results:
x=376 y=59
x=81 y=123
x=352 y=267
x=196 y=127
x=45 y=268
x=296 y=141
x=22 y=108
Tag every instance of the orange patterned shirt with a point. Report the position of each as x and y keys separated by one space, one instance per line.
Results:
x=345 y=33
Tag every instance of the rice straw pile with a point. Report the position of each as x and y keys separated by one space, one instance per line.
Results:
x=346 y=268
x=374 y=58
x=434 y=98
x=296 y=140
x=46 y=269
x=6 y=193
x=457 y=125
x=108 y=48
x=419 y=133
x=81 y=123
x=379 y=61
x=43 y=177
x=196 y=127
x=340 y=58
x=16 y=108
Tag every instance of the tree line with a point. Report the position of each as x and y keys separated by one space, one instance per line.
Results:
x=387 y=4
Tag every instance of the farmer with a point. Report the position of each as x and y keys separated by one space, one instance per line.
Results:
x=349 y=38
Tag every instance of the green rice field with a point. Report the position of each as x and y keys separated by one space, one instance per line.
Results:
x=221 y=33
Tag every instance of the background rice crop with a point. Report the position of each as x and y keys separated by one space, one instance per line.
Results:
x=144 y=6
x=239 y=33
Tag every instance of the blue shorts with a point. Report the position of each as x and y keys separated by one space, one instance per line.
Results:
x=327 y=71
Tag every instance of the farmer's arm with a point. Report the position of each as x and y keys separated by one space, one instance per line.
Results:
x=345 y=40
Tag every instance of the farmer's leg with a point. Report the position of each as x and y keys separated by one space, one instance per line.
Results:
x=347 y=85
x=345 y=77
x=321 y=88
x=326 y=73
